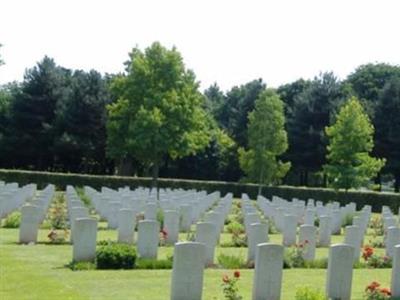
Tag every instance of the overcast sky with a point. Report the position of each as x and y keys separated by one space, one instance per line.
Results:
x=228 y=42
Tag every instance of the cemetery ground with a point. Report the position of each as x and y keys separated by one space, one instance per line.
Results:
x=40 y=271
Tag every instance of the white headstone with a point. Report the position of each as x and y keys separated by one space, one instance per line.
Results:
x=171 y=226
x=126 y=226
x=325 y=231
x=307 y=237
x=289 y=230
x=206 y=234
x=257 y=234
x=28 y=229
x=354 y=237
x=84 y=247
x=267 y=281
x=187 y=272
x=148 y=238
x=395 y=286
x=340 y=272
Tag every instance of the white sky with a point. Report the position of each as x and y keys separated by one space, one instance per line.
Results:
x=229 y=42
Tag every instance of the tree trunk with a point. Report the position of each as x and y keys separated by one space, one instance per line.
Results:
x=378 y=180
x=305 y=178
x=154 y=184
x=259 y=189
x=125 y=167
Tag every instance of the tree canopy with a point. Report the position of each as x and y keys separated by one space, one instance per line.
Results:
x=159 y=110
x=350 y=143
x=267 y=140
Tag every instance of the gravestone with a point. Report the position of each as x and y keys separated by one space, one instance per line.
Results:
x=28 y=229
x=289 y=230
x=325 y=231
x=206 y=233
x=307 y=237
x=187 y=271
x=395 y=286
x=84 y=247
x=340 y=272
x=257 y=234
x=148 y=238
x=126 y=226
x=267 y=281
x=171 y=226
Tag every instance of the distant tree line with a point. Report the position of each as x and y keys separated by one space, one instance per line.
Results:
x=152 y=120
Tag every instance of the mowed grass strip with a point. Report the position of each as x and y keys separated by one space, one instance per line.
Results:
x=38 y=272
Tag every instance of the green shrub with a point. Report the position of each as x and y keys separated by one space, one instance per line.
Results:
x=115 y=256
x=160 y=218
x=235 y=228
x=61 y=180
x=306 y=293
x=230 y=261
x=13 y=220
x=154 y=264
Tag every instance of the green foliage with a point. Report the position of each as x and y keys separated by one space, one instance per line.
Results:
x=159 y=110
x=267 y=140
x=57 y=214
x=115 y=256
x=306 y=293
x=387 y=124
x=312 y=110
x=230 y=261
x=350 y=142
x=13 y=220
x=235 y=227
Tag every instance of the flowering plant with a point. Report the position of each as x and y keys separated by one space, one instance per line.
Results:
x=295 y=255
x=229 y=285
x=163 y=237
x=375 y=261
x=58 y=237
x=374 y=292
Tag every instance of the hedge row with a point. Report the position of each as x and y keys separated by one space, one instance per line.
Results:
x=61 y=180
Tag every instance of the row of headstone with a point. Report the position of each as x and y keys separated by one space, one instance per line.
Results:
x=330 y=217
x=33 y=213
x=188 y=272
x=186 y=212
x=76 y=209
x=12 y=197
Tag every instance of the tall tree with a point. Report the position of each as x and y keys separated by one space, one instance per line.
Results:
x=350 y=143
x=81 y=133
x=312 y=112
x=232 y=115
x=159 y=110
x=387 y=124
x=368 y=80
x=267 y=141
x=33 y=114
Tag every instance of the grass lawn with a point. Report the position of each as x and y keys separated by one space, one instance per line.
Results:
x=38 y=272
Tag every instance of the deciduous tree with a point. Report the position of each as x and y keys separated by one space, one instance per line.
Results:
x=350 y=143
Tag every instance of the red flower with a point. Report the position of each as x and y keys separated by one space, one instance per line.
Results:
x=368 y=252
x=225 y=278
x=386 y=291
x=236 y=274
x=372 y=286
